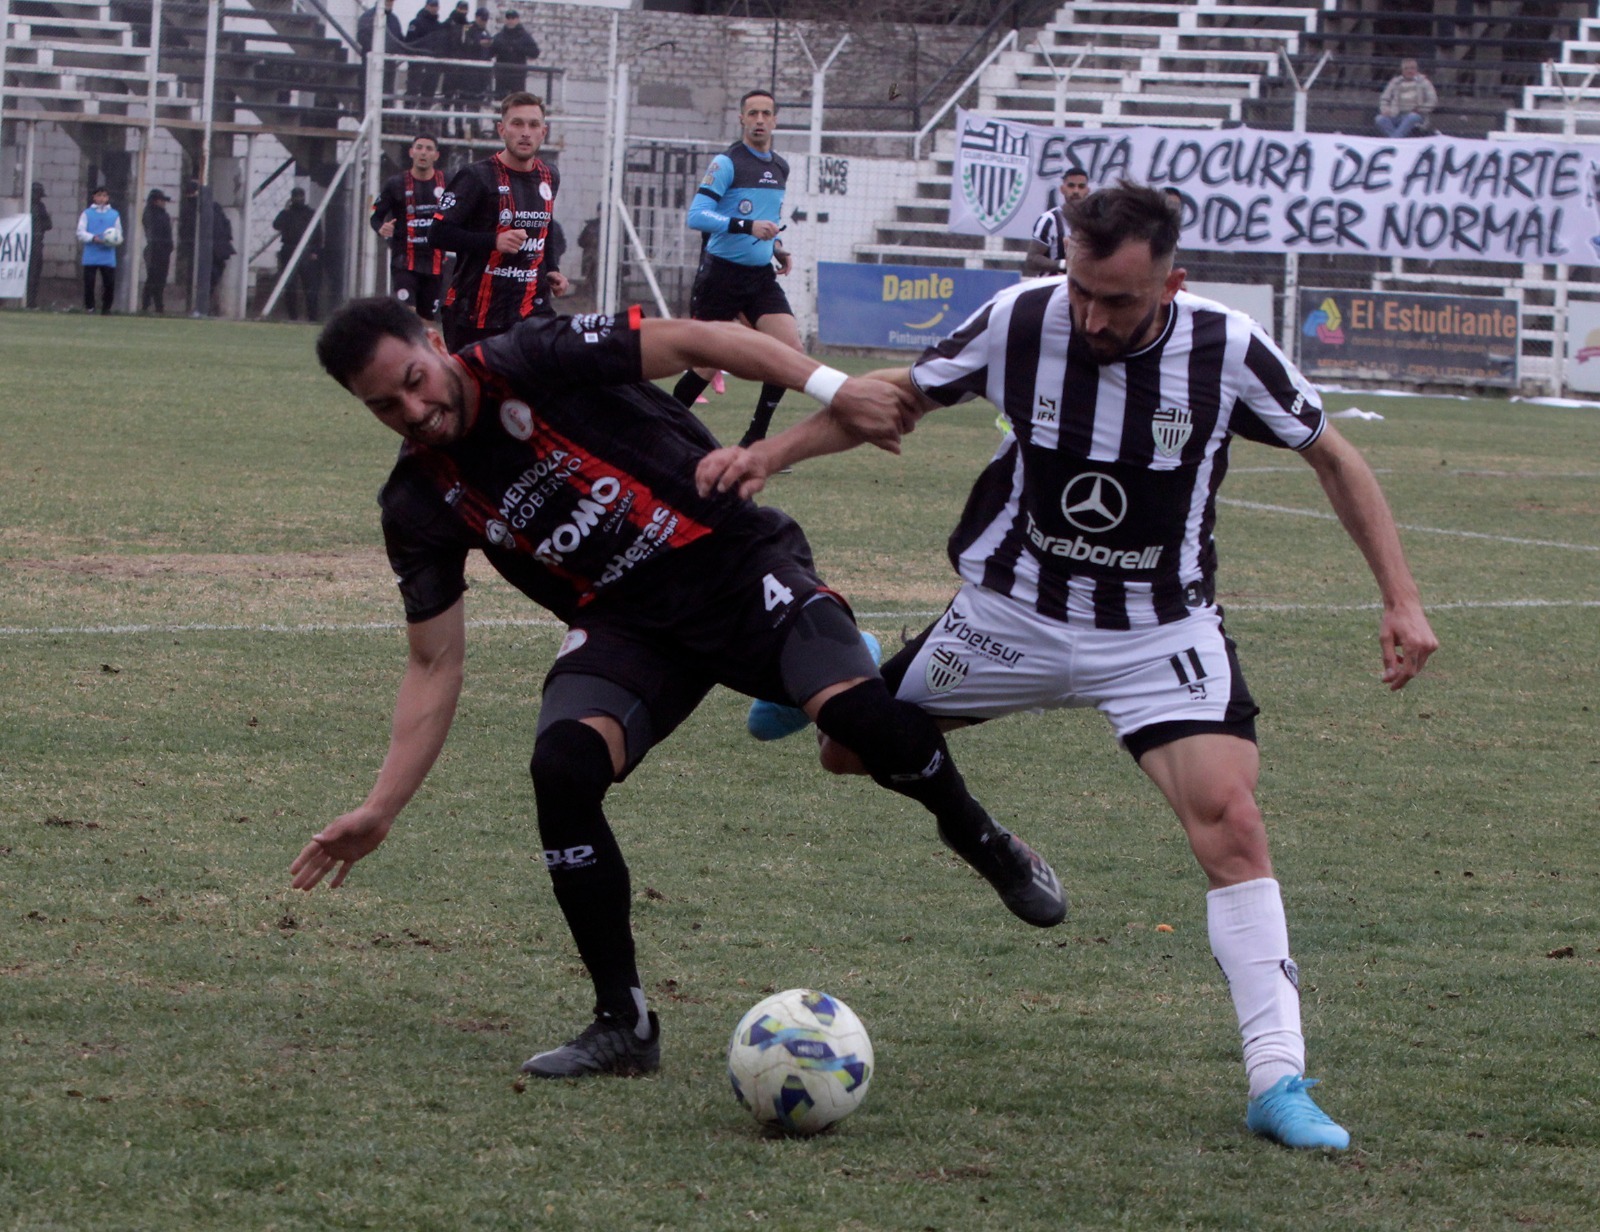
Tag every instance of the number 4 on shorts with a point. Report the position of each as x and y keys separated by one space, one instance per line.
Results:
x=774 y=593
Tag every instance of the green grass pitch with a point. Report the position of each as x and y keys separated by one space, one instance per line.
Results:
x=199 y=645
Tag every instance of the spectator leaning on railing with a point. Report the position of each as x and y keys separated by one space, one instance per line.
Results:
x=1407 y=102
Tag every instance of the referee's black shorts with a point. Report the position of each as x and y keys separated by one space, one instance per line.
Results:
x=724 y=289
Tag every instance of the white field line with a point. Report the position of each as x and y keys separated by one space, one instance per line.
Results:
x=1421 y=530
x=548 y=622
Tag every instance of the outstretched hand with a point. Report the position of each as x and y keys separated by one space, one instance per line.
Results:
x=1407 y=641
x=340 y=845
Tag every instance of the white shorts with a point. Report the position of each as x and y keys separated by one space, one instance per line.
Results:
x=989 y=656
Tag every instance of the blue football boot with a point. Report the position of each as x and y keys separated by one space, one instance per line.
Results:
x=1287 y=1115
x=773 y=721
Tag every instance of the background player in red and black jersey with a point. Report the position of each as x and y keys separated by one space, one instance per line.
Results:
x=549 y=450
x=495 y=216
x=403 y=215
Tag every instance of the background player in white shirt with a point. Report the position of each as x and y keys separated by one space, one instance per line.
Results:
x=1088 y=565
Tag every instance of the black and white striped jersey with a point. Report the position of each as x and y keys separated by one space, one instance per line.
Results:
x=1099 y=507
x=1051 y=230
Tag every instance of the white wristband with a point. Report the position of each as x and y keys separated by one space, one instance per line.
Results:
x=824 y=383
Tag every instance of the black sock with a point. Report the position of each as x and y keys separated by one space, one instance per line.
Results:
x=571 y=770
x=689 y=387
x=771 y=395
x=903 y=749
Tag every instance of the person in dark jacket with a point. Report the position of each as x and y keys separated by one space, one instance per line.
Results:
x=513 y=49
x=291 y=224
x=221 y=249
x=41 y=224
x=423 y=37
x=394 y=39
x=158 y=246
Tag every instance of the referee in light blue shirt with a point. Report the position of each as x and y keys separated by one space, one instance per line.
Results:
x=739 y=208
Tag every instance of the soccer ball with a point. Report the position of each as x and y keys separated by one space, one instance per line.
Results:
x=800 y=1060
x=112 y=235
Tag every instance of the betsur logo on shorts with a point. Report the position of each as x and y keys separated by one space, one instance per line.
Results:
x=957 y=626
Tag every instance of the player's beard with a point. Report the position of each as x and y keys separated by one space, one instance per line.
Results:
x=448 y=422
x=1108 y=347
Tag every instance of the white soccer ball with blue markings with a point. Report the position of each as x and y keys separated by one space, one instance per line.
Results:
x=800 y=1061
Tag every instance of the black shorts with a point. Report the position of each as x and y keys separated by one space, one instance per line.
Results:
x=723 y=618
x=419 y=289
x=723 y=290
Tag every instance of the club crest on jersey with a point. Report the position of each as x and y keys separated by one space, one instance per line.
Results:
x=995 y=172
x=574 y=640
x=946 y=670
x=505 y=218
x=544 y=191
x=516 y=417
x=746 y=206
x=1172 y=427
x=497 y=533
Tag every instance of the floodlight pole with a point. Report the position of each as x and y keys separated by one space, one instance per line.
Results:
x=1291 y=263
x=367 y=259
x=616 y=98
x=819 y=89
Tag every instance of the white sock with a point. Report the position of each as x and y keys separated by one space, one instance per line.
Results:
x=1250 y=938
x=642 y=1027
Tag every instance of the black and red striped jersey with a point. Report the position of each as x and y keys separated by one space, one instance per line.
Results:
x=493 y=290
x=412 y=203
x=1099 y=506
x=576 y=476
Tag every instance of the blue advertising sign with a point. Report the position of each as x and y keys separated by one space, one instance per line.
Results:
x=899 y=307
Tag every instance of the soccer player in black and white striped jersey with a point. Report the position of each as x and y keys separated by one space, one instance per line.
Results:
x=1087 y=562
x=1047 y=249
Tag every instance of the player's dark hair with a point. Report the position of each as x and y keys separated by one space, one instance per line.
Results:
x=1106 y=220
x=750 y=94
x=416 y=137
x=1072 y=171
x=351 y=336
x=520 y=98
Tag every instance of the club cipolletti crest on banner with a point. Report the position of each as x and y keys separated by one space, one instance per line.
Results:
x=996 y=170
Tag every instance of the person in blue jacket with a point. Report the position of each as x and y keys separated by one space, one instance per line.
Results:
x=739 y=208
x=100 y=231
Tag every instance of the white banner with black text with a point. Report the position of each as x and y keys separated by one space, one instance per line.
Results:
x=1246 y=190
x=16 y=241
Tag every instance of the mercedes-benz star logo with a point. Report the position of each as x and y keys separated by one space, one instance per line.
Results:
x=1094 y=502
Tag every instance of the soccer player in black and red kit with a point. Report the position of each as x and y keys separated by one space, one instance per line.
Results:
x=549 y=450
x=495 y=217
x=403 y=215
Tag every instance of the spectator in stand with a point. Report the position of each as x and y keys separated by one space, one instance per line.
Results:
x=41 y=224
x=100 y=231
x=290 y=224
x=394 y=40
x=1406 y=103
x=423 y=35
x=158 y=245
x=473 y=85
x=514 y=49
